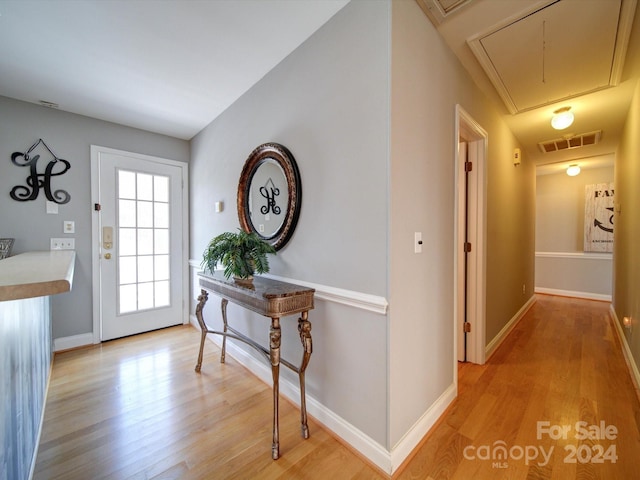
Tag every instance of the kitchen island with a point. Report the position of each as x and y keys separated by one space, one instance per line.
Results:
x=27 y=282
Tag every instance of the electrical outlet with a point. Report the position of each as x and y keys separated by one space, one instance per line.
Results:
x=63 y=244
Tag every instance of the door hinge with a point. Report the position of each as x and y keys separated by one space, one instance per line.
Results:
x=467 y=327
x=467 y=247
x=97 y=207
x=468 y=166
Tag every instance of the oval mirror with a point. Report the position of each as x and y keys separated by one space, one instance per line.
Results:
x=269 y=194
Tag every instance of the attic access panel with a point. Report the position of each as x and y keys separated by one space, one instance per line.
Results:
x=566 y=49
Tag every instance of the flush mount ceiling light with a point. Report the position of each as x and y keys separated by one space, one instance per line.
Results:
x=573 y=170
x=562 y=118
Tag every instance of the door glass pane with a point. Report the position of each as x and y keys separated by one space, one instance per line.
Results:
x=128 y=299
x=145 y=187
x=126 y=184
x=144 y=276
x=161 y=241
x=145 y=268
x=127 y=213
x=160 y=188
x=162 y=294
x=161 y=270
x=145 y=214
x=127 y=238
x=161 y=215
x=127 y=270
x=145 y=296
x=145 y=241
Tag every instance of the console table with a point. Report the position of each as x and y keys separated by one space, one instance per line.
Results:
x=273 y=299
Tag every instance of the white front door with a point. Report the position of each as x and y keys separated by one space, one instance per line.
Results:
x=139 y=240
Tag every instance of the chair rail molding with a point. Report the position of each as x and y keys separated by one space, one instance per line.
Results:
x=363 y=301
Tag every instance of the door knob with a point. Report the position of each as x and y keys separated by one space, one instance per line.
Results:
x=107 y=256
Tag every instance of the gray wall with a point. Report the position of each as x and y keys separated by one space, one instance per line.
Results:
x=561 y=265
x=328 y=102
x=427 y=83
x=626 y=258
x=70 y=137
x=560 y=208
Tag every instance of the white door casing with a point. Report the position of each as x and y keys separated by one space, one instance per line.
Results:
x=461 y=270
x=470 y=216
x=140 y=274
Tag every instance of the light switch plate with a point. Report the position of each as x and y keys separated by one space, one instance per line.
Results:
x=69 y=226
x=52 y=207
x=417 y=238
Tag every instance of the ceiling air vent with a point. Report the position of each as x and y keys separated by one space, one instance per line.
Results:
x=46 y=103
x=575 y=141
x=438 y=10
x=449 y=6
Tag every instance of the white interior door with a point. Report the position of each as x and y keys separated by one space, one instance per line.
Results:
x=470 y=262
x=462 y=277
x=140 y=236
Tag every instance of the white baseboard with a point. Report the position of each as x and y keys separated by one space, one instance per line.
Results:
x=502 y=335
x=626 y=350
x=577 y=255
x=569 y=293
x=365 y=445
x=74 y=341
x=414 y=436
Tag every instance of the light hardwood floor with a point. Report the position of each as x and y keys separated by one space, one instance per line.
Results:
x=135 y=409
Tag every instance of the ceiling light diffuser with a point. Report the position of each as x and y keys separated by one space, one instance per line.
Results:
x=573 y=170
x=562 y=118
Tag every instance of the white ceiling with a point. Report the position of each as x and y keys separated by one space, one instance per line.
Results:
x=166 y=66
x=534 y=56
x=172 y=66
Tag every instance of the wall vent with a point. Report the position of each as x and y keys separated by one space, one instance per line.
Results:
x=46 y=103
x=575 y=141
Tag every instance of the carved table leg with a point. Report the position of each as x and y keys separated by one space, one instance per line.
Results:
x=304 y=328
x=202 y=300
x=223 y=306
x=274 y=354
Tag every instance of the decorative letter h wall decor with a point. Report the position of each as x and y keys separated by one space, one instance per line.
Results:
x=36 y=180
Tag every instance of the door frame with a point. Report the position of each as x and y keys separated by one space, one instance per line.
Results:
x=96 y=228
x=476 y=137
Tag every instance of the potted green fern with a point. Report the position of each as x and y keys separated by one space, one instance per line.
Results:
x=241 y=254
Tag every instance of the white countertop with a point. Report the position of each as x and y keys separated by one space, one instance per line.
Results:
x=36 y=274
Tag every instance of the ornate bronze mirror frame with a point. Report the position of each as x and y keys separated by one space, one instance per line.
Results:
x=269 y=194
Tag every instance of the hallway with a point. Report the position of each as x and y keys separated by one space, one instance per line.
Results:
x=562 y=364
x=134 y=409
